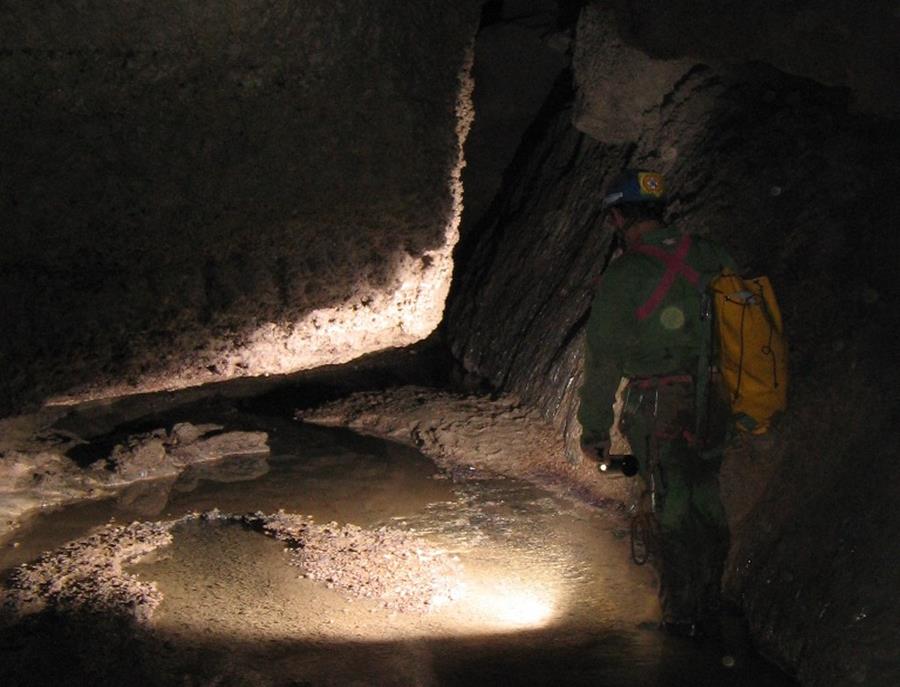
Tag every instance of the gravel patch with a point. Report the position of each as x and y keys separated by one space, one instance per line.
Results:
x=87 y=575
x=398 y=569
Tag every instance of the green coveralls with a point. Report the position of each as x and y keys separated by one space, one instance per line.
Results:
x=646 y=325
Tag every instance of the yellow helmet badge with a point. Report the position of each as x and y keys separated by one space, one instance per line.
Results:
x=651 y=184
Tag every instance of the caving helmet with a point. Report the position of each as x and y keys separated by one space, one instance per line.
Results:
x=635 y=186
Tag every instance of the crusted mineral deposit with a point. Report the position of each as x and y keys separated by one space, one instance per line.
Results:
x=87 y=575
x=398 y=569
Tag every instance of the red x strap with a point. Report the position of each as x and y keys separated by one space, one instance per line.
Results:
x=675 y=266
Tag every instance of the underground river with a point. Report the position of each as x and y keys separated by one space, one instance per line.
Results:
x=543 y=590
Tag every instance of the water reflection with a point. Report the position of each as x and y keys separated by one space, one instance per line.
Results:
x=552 y=597
x=145 y=499
x=149 y=499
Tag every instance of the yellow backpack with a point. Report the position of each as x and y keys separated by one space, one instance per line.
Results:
x=751 y=350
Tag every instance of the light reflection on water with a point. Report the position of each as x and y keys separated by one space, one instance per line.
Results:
x=551 y=595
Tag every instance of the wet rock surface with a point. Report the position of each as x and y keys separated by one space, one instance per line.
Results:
x=33 y=479
x=474 y=437
x=161 y=453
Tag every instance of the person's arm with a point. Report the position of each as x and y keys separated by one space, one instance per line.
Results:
x=607 y=333
x=601 y=379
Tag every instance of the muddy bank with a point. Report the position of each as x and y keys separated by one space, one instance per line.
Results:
x=472 y=436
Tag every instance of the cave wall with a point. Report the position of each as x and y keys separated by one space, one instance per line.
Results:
x=797 y=182
x=520 y=49
x=197 y=191
x=834 y=42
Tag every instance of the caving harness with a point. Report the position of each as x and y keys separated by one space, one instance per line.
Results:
x=650 y=498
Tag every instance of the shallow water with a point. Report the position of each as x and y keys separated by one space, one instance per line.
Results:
x=550 y=594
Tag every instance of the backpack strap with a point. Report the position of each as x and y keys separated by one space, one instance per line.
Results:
x=675 y=267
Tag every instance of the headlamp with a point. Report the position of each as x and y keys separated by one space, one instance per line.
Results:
x=626 y=465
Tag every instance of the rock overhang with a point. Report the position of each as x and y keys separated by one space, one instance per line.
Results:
x=199 y=193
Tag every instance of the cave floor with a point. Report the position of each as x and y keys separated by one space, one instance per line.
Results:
x=547 y=592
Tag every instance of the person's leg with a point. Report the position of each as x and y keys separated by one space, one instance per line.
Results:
x=687 y=555
x=712 y=543
x=672 y=552
x=677 y=565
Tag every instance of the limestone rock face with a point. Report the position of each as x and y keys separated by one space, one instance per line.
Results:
x=516 y=64
x=620 y=87
x=159 y=453
x=193 y=192
x=141 y=457
x=783 y=172
x=834 y=42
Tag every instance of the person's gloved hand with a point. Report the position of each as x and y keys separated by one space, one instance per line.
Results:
x=597 y=451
